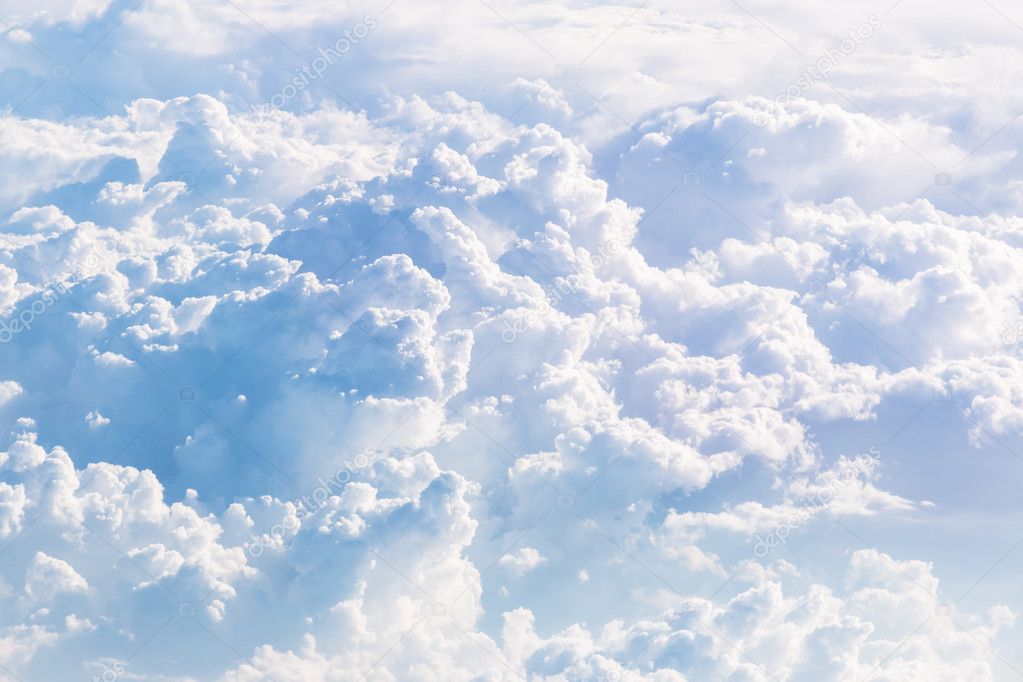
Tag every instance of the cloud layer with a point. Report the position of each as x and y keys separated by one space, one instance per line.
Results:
x=518 y=346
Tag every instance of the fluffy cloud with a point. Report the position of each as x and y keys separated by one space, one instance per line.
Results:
x=602 y=371
x=762 y=634
x=522 y=561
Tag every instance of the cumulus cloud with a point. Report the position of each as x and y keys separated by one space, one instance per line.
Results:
x=606 y=364
x=46 y=577
x=9 y=390
x=522 y=561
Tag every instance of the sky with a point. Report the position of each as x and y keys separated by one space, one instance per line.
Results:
x=491 y=340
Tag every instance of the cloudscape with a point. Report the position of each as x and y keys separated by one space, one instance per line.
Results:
x=493 y=340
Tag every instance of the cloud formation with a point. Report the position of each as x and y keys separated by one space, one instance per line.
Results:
x=338 y=346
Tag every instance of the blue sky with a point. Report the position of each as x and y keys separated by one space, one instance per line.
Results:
x=510 y=341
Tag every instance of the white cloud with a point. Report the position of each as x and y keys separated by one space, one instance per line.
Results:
x=9 y=390
x=522 y=561
x=47 y=577
x=96 y=420
x=608 y=321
